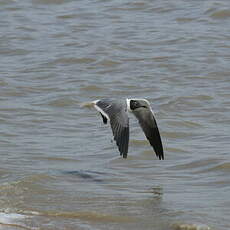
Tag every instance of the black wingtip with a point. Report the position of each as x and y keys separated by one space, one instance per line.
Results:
x=161 y=156
x=158 y=148
x=157 y=143
x=159 y=151
x=123 y=155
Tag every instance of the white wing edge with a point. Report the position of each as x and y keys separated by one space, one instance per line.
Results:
x=128 y=104
x=100 y=110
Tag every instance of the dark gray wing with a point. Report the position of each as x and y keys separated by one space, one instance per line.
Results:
x=149 y=126
x=119 y=121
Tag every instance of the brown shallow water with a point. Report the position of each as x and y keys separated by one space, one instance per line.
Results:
x=58 y=167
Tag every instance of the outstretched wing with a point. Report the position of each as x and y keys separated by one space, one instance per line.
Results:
x=116 y=113
x=149 y=126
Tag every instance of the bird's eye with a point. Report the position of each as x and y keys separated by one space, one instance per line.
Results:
x=136 y=104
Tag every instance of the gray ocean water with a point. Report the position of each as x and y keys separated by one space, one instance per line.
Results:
x=58 y=167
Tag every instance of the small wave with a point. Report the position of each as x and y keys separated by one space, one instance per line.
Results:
x=49 y=2
x=91 y=216
x=12 y=221
x=62 y=159
x=62 y=102
x=190 y=227
x=18 y=186
x=198 y=164
x=71 y=61
x=224 y=167
x=12 y=52
x=177 y=134
x=8 y=217
x=138 y=142
x=3 y=83
x=91 y=88
x=221 y=14
x=93 y=176
x=186 y=102
x=109 y=63
x=184 y=123
x=176 y=150
x=184 y=20
x=6 y=2
x=67 y=16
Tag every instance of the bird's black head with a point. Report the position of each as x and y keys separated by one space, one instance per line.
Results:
x=135 y=104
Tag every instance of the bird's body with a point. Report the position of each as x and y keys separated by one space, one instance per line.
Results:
x=116 y=112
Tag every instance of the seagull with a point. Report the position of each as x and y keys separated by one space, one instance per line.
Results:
x=116 y=112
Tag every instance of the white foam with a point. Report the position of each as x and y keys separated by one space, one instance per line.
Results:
x=10 y=218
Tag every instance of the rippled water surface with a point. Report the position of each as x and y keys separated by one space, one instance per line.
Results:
x=59 y=169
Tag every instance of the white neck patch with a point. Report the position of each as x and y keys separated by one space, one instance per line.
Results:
x=128 y=105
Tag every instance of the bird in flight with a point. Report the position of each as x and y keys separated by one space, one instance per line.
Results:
x=116 y=112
